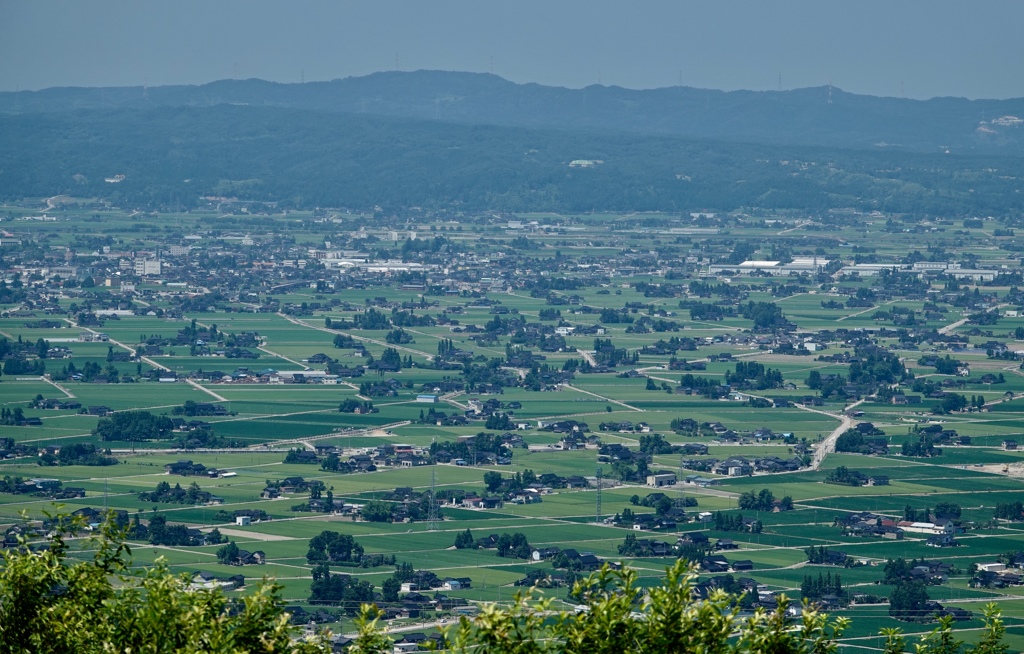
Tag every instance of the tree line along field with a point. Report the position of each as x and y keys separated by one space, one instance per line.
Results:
x=262 y=424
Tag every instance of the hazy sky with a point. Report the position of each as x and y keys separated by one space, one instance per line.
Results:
x=921 y=48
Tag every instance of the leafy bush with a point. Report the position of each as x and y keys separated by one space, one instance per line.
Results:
x=101 y=607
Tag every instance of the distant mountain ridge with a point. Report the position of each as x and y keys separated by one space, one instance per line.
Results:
x=819 y=116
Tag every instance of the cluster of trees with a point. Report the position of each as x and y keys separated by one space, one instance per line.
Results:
x=191 y=408
x=228 y=555
x=176 y=495
x=9 y=484
x=509 y=546
x=377 y=511
x=687 y=426
x=371 y=319
x=705 y=386
x=342 y=341
x=293 y=456
x=13 y=356
x=845 y=476
x=728 y=522
x=499 y=422
x=816 y=588
x=908 y=601
x=445 y=346
x=159 y=532
x=514 y=546
x=658 y=502
x=342 y=590
x=632 y=547
x=133 y=426
x=764 y=500
x=875 y=366
x=392 y=586
x=495 y=482
x=483 y=443
x=826 y=386
x=853 y=440
x=78 y=454
x=767 y=316
x=822 y=556
x=704 y=311
x=951 y=402
x=205 y=437
x=753 y=375
x=606 y=354
x=90 y=371
x=12 y=417
x=398 y=337
x=652 y=444
x=924 y=446
x=897 y=571
x=1010 y=510
x=351 y=405
x=334 y=547
x=943 y=366
x=464 y=541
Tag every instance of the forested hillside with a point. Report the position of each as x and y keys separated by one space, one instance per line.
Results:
x=172 y=156
x=819 y=116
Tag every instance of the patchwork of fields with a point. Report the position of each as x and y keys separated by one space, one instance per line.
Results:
x=554 y=430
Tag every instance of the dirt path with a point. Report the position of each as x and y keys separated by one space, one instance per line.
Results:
x=602 y=397
x=793 y=229
x=859 y=313
x=950 y=327
x=263 y=348
x=58 y=387
x=150 y=362
x=302 y=323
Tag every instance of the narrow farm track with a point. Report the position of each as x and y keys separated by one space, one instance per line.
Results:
x=152 y=362
x=60 y=388
x=602 y=397
x=402 y=348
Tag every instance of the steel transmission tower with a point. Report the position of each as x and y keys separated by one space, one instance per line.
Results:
x=679 y=480
x=597 y=513
x=432 y=507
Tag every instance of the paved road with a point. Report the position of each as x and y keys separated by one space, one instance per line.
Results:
x=828 y=445
x=950 y=327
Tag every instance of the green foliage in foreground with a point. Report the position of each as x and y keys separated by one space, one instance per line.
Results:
x=615 y=617
x=50 y=603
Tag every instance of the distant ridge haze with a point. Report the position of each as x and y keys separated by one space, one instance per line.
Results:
x=811 y=116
